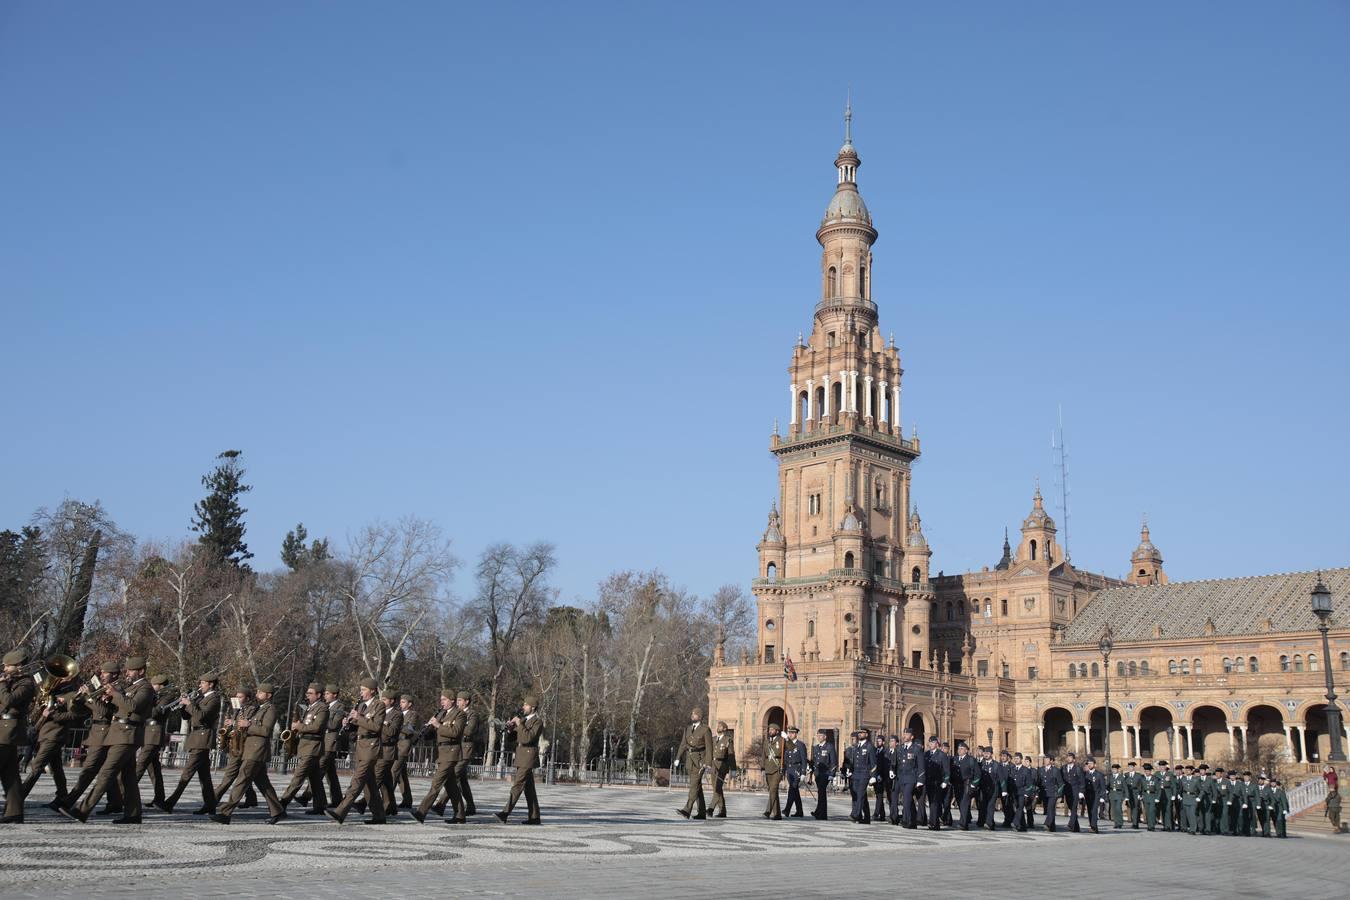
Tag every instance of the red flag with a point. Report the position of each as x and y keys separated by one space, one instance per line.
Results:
x=789 y=670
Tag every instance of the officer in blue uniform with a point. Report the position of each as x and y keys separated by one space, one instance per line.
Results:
x=861 y=762
x=823 y=763
x=937 y=780
x=795 y=766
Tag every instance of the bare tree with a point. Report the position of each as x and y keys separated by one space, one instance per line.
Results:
x=393 y=578
x=76 y=535
x=187 y=594
x=729 y=614
x=512 y=593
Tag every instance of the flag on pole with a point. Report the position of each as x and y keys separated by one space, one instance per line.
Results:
x=789 y=670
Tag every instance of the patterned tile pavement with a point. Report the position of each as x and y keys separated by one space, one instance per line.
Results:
x=623 y=843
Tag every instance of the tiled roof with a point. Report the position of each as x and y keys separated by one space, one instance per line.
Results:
x=1236 y=605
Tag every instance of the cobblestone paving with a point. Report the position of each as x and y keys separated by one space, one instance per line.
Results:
x=624 y=843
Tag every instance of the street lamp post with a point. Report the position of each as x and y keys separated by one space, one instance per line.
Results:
x=1105 y=646
x=1321 y=604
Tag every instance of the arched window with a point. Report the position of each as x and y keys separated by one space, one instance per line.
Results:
x=1143 y=667
x=1172 y=667
x=914 y=575
x=1227 y=665
x=1033 y=549
x=950 y=616
x=1298 y=663
x=1251 y=665
x=771 y=572
x=1134 y=668
x=862 y=281
x=1312 y=662
x=832 y=283
x=810 y=628
x=1096 y=672
x=1185 y=667
x=848 y=560
x=1143 y=573
x=1284 y=664
x=1195 y=666
x=880 y=488
x=1239 y=665
x=837 y=399
x=1073 y=671
x=820 y=402
x=803 y=406
x=1345 y=660
x=988 y=608
x=1120 y=668
x=1003 y=606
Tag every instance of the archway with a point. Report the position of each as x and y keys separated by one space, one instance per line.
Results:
x=1265 y=732
x=1316 y=736
x=916 y=727
x=773 y=716
x=1117 y=733
x=1155 y=733
x=1058 y=723
x=1210 y=734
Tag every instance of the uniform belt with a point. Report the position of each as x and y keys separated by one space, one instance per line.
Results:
x=121 y=721
x=447 y=743
x=201 y=727
x=311 y=737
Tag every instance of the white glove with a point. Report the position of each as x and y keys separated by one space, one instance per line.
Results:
x=1004 y=794
x=1244 y=806
x=944 y=785
x=872 y=780
x=1080 y=796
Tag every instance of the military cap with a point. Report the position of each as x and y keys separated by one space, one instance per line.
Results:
x=793 y=729
x=388 y=694
x=908 y=732
x=447 y=693
x=16 y=658
x=134 y=662
x=209 y=677
x=407 y=697
x=1162 y=762
x=1115 y=765
x=1148 y=766
x=1132 y=763
x=1245 y=774
x=1017 y=756
x=265 y=687
x=932 y=740
x=530 y=701
x=1005 y=753
x=108 y=667
x=1203 y=766
x=1218 y=770
x=159 y=679
x=315 y=686
x=369 y=684
x=462 y=695
x=1261 y=777
x=864 y=731
x=331 y=688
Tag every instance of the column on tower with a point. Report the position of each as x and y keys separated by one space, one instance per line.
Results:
x=793 y=412
x=895 y=409
x=882 y=401
x=810 y=399
x=853 y=392
x=867 y=396
x=825 y=403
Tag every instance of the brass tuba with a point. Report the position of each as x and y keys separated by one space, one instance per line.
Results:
x=57 y=669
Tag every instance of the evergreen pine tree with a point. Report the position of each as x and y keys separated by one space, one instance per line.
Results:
x=219 y=518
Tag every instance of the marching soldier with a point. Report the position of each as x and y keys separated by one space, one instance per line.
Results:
x=16 y=695
x=156 y=738
x=937 y=777
x=1168 y=782
x=368 y=718
x=464 y=700
x=95 y=745
x=908 y=776
x=1012 y=798
x=449 y=728
x=1279 y=802
x=965 y=782
x=1208 y=792
x=1094 y=792
x=881 y=788
x=1265 y=799
x=63 y=711
x=203 y=715
x=1151 y=790
x=1052 y=786
x=257 y=727
x=696 y=747
x=1221 y=802
x=1190 y=788
x=1074 y=782
x=407 y=739
x=334 y=742
x=775 y=749
x=795 y=768
x=310 y=729
x=1134 y=780
x=947 y=801
x=1028 y=792
x=1118 y=790
x=1248 y=798
x=823 y=764
x=860 y=765
x=528 y=727
x=234 y=759
x=131 y=700
x=384 y=769
x=724 y=760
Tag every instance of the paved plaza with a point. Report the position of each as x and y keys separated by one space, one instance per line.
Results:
x=620 y=842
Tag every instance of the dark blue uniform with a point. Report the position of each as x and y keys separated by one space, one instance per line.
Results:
x=1094 y=792
x=823 y=764
x=966 y=785
x=861 y=762
x=1052 y=785
x=907 y=774
x=882 y=788
x=795 y=766
x=937 y=780
x=1073 y=791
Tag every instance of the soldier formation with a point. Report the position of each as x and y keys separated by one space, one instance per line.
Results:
x=899 y=780
x=128 y=720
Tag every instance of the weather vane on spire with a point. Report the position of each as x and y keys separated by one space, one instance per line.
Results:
x=848 y=117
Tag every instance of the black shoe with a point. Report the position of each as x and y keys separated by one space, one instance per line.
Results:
x=406 y=804
x=162 y=806
x=374 y=822
x=332 y=814
x=272 y=820
x=816 y=816
x=700 y=817
x=501 y=816
x=315 y=812
x=532 y=822
x=247 y=805
x=439 y=810
x=55 y=805
x=204 y=811
x=722 y=814
x=1094 y=830
x=360 y=807
x=303 y=800
x=683 y=812
x=471 y=811
x=417 y=814
x=460 y=821
x=110 y=811
x=851 y=818
x=217 y=817
x=12 y=820
x=775 y=818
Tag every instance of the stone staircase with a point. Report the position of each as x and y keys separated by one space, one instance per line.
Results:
x=1313 y=820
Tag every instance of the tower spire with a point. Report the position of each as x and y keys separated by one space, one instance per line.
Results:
x=848 y=118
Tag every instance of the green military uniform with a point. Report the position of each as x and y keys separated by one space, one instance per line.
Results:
x=408 y=734
x=235 y=760
x=1248 y=797
x=1117 y=789
x=62 y=713
x=131 y=705
x=95 y=748
x=696 y=747
x=450 y=724
x=156 y=738
x=16 y=695
x=334 y=739
x=775 y=747
x=1134 y=781
x=724 y=760
x=528 y=731
x=368 y=718
x=1189 y=788
x=253 y=762
x=1279 y=804
x=1265 y=802
x=1167 y=796
x=203 y=715
x=384 y=767
x=1220 y=793
x=466 y=755
x=1151 y=790
x=310 y=729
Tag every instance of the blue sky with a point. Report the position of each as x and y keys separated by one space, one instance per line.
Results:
x=535 y=272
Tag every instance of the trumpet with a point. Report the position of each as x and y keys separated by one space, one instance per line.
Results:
x=193 y=697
